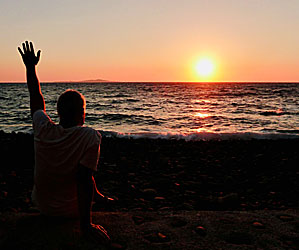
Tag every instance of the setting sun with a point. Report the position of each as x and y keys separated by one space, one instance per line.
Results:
x=205 y=67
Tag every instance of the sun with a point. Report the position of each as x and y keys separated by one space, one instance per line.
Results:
x=205 y=67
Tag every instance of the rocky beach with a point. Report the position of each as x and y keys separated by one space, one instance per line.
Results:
x=170 y=194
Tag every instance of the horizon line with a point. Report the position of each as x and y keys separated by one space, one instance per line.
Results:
x=107 y=81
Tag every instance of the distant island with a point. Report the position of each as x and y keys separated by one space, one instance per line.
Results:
x=83 y=81
x=95 y=80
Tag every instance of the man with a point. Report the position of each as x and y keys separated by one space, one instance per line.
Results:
x=65 y=155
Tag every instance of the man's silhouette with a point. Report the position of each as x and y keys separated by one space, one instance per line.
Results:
x=65 y=154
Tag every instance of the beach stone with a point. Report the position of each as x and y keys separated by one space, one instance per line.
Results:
x=186 y=206
x=285 y=217
x=190 y=192
x=229 y=198
x=244 y=205
x=239 y=238
x=229 y=179
x=115 y=245
x=165 y=209
x=137 y=209
x=178 y=222
x=4 y=194
x=32 y=210
x=149 y=192
x=157 y=237
x=138 y=220
x=201 y=231
x=13 y=174
x=162 y=236
x=13 y=210
x=159 y=198
x=258 y=225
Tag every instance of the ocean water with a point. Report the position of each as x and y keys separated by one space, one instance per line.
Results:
x=192 y=111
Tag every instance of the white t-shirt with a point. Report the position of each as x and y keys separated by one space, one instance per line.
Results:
x=58 y=152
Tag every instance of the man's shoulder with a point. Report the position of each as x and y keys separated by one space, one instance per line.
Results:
x=90 y=130
x=39 y=114
x=91 y=134
x=41 y=120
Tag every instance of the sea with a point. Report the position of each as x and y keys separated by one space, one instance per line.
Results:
x=189 y=111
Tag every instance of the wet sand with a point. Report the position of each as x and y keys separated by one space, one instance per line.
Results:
x=163 y=178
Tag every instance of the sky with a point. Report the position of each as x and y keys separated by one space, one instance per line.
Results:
x=152 y=40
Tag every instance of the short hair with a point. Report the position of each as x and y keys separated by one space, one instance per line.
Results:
x=70 y=104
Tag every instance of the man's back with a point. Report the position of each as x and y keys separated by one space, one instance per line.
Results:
x=58 y=153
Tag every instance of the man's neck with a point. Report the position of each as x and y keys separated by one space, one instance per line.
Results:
x=68 y=124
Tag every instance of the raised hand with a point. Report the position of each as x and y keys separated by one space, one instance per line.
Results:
x=30 y=60
x=28 y=54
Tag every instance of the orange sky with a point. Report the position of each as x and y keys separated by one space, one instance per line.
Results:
x=157 y=40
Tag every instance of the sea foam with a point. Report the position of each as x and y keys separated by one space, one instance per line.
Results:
x=202 y=136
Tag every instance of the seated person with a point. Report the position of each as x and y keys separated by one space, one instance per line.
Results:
x=66 y=154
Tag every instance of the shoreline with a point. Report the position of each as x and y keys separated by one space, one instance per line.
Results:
x=188 y=136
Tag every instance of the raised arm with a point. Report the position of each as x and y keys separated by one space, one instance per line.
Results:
x=30 y=60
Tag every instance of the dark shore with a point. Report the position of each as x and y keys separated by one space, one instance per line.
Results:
x=170 y=176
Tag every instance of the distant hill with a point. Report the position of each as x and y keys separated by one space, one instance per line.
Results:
x=95 y=80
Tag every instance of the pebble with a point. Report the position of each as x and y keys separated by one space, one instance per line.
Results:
x=186 y=206
x=159 y=198
x=229 y=198
x=201 y=231
x=162 y=236
x=150 y=192
x=258 y=225
x=190 y=192
x=115 y=245
x=157 y=237
x=285 y=217
x=13 y=174
x=165 y=208
x=12 y=209
x=138 y=220
x=33 y=210
x=178 y=222
x=239 y=238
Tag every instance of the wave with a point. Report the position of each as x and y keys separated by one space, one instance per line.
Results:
x=278 y=112
x=128 y=117
x=205 y=136
x=199 y=136
x=273 y=113
x=116 y=96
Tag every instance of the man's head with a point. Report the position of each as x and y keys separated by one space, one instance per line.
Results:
x=71 y=108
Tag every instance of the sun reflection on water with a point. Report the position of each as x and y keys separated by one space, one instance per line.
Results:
x=202 y=115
